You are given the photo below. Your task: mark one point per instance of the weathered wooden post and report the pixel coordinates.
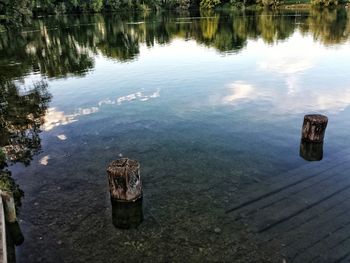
(124, 180)
(314, 128)
(312, 136)
(125, 188)
(14, 234)
(311, 151)
(9, 207)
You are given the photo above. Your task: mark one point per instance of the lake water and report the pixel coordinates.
(208, 102)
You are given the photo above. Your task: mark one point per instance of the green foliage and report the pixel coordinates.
(21, 116)
(209, 3)
(14, 12)
(113, 5)
(325, 3)
(96, 5)
(8, 184)
(20, 120)
(330, 25)
(237, 3)
(269, 2)
(184, 4)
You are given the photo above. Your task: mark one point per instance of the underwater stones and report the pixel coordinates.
(217, 230)
(124, 180)
(314, 128)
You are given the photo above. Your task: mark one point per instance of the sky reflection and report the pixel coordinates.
(294, 76)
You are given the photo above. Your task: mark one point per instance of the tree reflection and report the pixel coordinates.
(118, 41)
(58, 47)
(330, 26)
(48, 51)
(21, 116)
(63, 46)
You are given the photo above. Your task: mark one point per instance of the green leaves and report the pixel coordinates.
(14, 12)
(209, 3)
(8, 184)
(325, 3)
(96, 5)
(21, 118)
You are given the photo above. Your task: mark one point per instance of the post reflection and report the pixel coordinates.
(311, 151)
(127, 215)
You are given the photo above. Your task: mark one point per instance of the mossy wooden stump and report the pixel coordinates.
(314, 128)
(124, 180)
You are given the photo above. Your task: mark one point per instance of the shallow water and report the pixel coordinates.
(209, 103)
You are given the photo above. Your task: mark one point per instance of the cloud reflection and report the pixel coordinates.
(55, 118)
(131, 97)
(283, 102)
(290, 62)
(45, 160)
(286, 65)
(295, 67)
(239, 90)
(62, 137)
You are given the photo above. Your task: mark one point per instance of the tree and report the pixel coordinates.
(96, 5)
(21, 116)
(14, 12)
(113, 5)
(209, 3)
(324, 2)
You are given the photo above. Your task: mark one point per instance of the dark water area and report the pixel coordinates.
(209, 103)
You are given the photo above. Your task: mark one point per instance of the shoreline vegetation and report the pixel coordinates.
(18, 12)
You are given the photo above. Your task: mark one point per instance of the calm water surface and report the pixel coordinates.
(208, 103)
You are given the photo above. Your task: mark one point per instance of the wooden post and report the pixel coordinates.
(127, 215)
(314, 128)
(3, 243)
(124, 180)
(9, 207)
(311, 151)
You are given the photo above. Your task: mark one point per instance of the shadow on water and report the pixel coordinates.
(14, 237)
(127, 215)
